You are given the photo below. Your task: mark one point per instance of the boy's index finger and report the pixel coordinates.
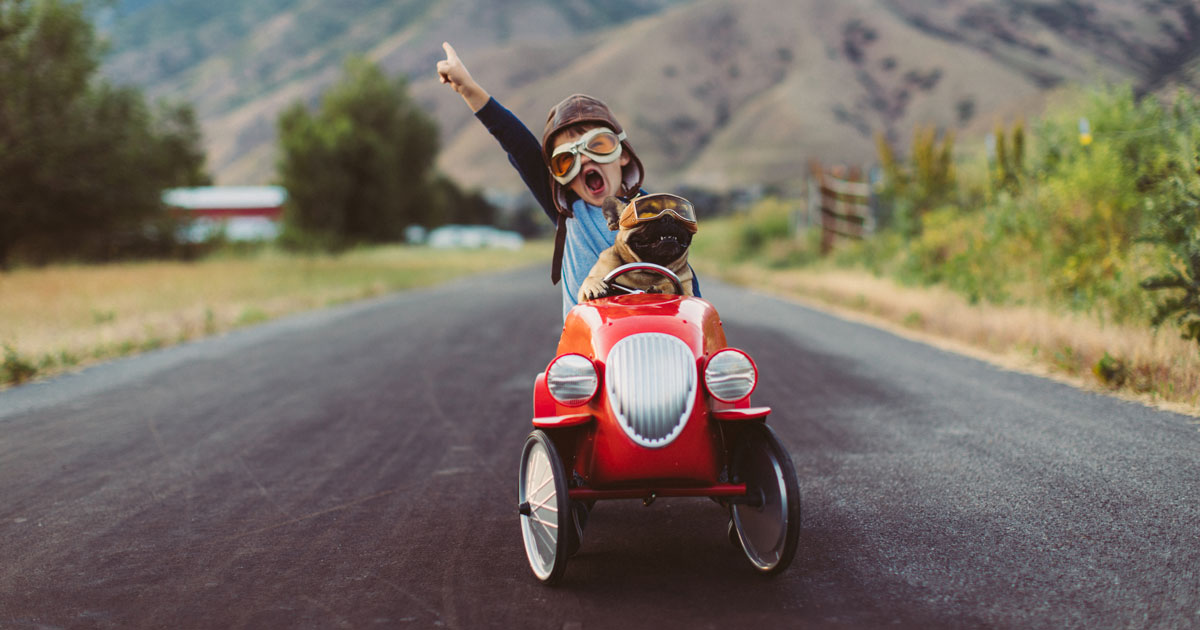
(450, 54)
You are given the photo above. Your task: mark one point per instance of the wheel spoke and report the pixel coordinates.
(533, 474)
(544, 553)
(544, 505)
(541, 485)
(545, 537)
(543, 523)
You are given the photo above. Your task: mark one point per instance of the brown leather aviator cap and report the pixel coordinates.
(581, 108)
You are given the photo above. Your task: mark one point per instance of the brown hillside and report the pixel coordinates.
(719, 93)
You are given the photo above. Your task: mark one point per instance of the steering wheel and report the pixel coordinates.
(643, 266)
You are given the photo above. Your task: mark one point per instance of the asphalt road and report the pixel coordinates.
(357, 468)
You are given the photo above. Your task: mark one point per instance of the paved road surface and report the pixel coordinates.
(356, 468)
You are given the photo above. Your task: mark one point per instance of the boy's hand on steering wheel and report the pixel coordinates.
(452, 70)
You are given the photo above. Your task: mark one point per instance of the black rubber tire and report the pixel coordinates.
(547, 529)
(769, 533)
(575, 538)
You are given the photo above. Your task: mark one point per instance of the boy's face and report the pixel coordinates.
(595, 181)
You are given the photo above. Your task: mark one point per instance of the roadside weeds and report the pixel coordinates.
(1155, 368)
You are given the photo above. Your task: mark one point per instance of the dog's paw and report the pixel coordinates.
(593, 289)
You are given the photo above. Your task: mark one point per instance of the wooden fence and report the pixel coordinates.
(840, 202)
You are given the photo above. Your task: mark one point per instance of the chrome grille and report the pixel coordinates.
(651, 382)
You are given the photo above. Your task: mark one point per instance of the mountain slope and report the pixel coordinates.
(242, 61)
(719, 93)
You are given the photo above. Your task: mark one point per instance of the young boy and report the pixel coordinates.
(588, 158)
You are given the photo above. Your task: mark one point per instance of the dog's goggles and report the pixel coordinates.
(601, 144)
(655, 206)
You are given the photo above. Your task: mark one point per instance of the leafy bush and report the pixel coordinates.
(767, 221)
(949, 252)
(1067, 225)
(1178, 232)
(16, 368)
(1111, 371)
(1083, 226)
(925, 182)
(1009, 162)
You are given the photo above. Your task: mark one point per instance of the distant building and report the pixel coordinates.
(473, 237)
(241, 213)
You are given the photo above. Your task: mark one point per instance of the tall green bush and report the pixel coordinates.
(1009, 167)
(82, 163)
(1078, 224)
(926, 181)
(1177, 231)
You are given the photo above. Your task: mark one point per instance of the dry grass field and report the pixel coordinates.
(57, 318)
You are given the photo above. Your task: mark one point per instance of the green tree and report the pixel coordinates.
(179, 145)
(454, 205)
(82, 163)
(360, 169)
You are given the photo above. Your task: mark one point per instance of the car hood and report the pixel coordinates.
(591, 328)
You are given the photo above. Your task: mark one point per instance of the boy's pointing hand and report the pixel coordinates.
(451, 70)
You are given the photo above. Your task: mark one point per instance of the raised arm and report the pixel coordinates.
(523, 148)
(451, 70)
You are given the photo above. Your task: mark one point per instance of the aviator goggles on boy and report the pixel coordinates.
(601, 144)
(650, 207)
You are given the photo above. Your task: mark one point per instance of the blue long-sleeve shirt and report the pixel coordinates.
(587, 231)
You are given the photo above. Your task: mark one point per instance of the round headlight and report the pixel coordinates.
(572, 379)
(730, 375)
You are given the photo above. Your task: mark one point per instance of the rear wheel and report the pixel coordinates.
(542, 501)
(768, 521)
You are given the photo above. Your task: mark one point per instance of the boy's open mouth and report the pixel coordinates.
(593, 181)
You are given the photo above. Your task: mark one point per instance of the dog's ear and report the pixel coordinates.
(612, 212)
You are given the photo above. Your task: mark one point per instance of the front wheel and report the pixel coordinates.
(768, 521)
(542, 502)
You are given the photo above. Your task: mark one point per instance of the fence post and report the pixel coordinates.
(845, 205)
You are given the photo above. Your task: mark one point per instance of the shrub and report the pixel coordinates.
(1009, 162)
(1111, 371)
(925, 182)
(766, 221)
(1178, 232)
(17, 369)
(1053, 219)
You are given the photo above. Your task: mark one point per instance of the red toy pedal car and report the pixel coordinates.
(645, 400)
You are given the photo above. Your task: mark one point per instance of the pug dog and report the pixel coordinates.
(662, 240)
